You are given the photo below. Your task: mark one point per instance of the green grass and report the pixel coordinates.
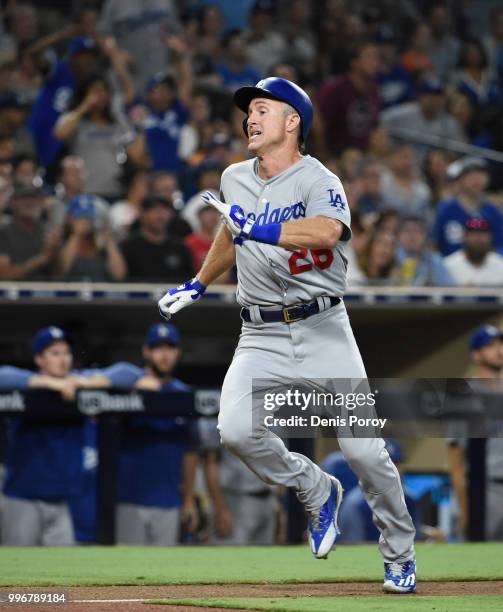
(391, 603)
(208, 565)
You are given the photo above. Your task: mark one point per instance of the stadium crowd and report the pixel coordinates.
(114, 118)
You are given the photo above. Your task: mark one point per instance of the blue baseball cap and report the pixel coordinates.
(162, 333)
(430, 86)
(82, 207)
(158, 79)
(483, 335)
(82, 43)
(45, 337)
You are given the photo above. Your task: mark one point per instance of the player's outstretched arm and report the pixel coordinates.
(220, 258)
(317, 232)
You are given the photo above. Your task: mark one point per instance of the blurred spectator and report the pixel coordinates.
(476, 264)
(402, 188)
(350, 103)
(486, 355)
(377, 262)
(339, 29)
(22, 28)
(13, 115)
(5, 193)
(165, 184)
(443, 49)
(235, 14)
(355, 249)
(158, 143)
(299, 36)
(210, 32)
(63, 78)
(235, 71)
(464, 111)
(266, 46)
(435, 166)
(199, 243)
(370, 199)
(27, 249)
(26, 78)
(25, 170)
(419, 265)
(72, 178)
(493, 41)
(380, 145)
(197, 131)
(427, 116)
(124, 213)
(88, 254)
(395, 83)
(471, 182)
(92, 133)
(415, 59)
(141, 29)
(151, 254)
(473, 77)
(44, 459)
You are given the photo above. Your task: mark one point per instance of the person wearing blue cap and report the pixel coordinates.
(486, 354)
(470, 202)
(152, 453)
(89, 252)
(44, 459)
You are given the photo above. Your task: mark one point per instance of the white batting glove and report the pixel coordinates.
(178, 298)
(232, 215)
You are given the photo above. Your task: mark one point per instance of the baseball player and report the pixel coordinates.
(44, 462)
(286, 222)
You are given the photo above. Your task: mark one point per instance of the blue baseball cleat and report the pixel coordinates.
(323, 530)
(400, 577)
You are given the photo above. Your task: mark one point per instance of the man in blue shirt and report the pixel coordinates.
(153, 450)
(168, 98)
(473, 180)
(44, 458)
(53, 100)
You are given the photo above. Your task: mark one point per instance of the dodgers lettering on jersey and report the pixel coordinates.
(269, 274)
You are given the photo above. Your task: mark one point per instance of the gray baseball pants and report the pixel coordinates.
(147, 525)
(27, 522)
(322, 346)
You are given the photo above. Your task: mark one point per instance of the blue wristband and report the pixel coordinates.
(268, 233)
(199, 287)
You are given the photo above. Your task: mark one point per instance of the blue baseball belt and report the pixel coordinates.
(290, 314)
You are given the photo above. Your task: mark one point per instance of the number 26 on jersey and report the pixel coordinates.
(300, 262)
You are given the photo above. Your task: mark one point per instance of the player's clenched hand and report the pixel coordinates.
(232, 214)
(178, 298)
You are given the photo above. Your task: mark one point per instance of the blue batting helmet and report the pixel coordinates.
(276, 88)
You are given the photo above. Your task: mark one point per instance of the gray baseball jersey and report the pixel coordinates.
(322, 346)
(269, 274)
